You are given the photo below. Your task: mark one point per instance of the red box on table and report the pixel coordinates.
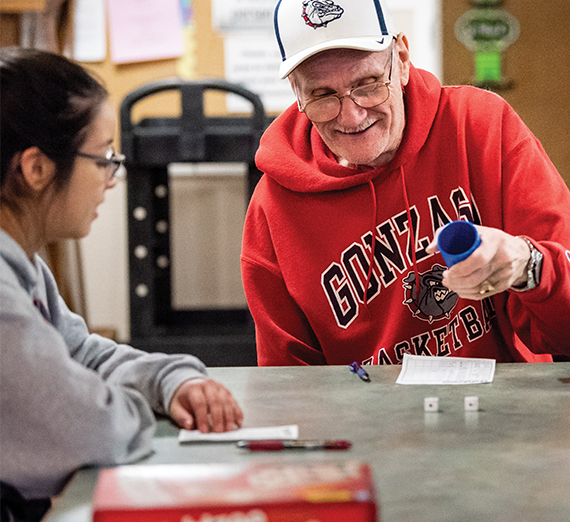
(255, 491)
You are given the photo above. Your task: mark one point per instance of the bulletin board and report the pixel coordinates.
(208, 62)
(121, 79)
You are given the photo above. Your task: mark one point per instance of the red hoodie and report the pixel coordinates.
(313, 227)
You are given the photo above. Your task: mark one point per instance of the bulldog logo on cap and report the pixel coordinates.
(318, 13)
(358, 24)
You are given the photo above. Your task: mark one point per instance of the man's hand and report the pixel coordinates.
(499, 263)
(206, 405)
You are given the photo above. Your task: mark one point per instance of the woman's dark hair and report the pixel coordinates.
(46, 101)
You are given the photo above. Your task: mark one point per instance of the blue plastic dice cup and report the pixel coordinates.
(457, 241)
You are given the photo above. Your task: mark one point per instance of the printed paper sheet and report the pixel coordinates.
(418, 369)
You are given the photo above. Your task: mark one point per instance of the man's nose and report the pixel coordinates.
(350, 112)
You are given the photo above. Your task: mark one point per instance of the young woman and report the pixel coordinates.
(68, 398)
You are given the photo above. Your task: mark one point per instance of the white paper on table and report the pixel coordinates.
(419, 369)
(268, 433)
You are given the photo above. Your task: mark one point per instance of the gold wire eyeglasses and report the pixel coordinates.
(366, 96)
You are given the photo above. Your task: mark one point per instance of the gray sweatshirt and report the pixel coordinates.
(68, 398)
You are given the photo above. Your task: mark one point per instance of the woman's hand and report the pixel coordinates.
(206, 405)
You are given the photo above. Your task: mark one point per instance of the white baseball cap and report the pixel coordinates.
(306, 27)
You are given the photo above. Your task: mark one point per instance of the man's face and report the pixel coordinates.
(357, 136)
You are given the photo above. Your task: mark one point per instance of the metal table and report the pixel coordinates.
(509, 461)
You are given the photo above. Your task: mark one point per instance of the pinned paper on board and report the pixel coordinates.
(229, 16)
(186, 66)
(144, 30)
(253, 61)
(89, 31)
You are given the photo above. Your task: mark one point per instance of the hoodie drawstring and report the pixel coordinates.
(372, 246)
(412, 235)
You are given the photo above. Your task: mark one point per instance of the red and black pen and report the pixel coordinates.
(279, 445)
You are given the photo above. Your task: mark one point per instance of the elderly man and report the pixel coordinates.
(339, 258)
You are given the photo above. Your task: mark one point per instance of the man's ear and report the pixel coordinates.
(402, 49)
(37, 169)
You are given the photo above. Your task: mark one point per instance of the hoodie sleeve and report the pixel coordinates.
(283, 334)
(58, 415)
(60, 412)
(155, 375)
(539, 316)
(520, 191)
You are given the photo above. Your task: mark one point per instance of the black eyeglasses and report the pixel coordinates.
(366, 96)
(111, 162)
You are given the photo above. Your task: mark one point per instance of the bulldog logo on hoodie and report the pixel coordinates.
(429, 300)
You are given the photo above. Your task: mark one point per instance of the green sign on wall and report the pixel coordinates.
(487, 30)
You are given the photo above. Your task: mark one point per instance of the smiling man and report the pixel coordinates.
(364, 125)
(339, 259)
